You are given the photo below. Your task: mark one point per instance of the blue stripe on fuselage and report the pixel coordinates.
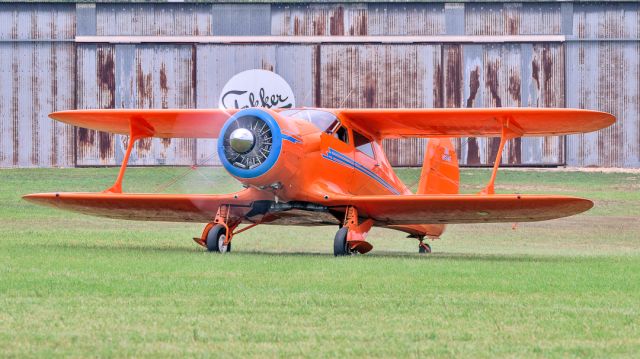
(290, 138)
(342, 159)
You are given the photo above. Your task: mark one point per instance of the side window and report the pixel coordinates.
(363, 144)
(342, 134)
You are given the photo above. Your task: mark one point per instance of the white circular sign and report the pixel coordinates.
(256, 88)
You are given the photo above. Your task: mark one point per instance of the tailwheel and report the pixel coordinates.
(424, 247)
(340, 245)
(216, 238)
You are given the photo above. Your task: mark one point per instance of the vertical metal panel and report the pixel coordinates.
(95, 88)
(402, 76)
(605, 76)
(241, 19)
(319, 19)
(134, 76)
(86, 17)
(164, 79)
(512, 18)
(607, 21)
(454, 18)
(295, 63)
(505, 75)
(406, 19)
(37, 21)
(153, 19)
(543, 83)
(37, 79)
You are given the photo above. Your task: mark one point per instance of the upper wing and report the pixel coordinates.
(163, 123)
(459, 122)
(434, 209)
(149, 207)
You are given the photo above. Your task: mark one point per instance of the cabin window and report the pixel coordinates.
(325, 121)
(342, 134)
(363, 144)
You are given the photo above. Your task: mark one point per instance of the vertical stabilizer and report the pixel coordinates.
(440, 173)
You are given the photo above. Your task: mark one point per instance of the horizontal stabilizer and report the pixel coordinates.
(462, 122)
(173, 123)
(434, 209)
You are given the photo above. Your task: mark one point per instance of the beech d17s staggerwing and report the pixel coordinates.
(327, 167)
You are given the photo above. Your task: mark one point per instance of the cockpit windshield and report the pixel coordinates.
(325, 121)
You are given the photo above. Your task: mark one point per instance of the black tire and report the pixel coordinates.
(340, 246)
(216, 235)
(422, 249)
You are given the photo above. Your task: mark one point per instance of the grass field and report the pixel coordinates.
(73, 285)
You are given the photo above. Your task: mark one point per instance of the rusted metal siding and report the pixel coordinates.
(319, 19)
(404, 76)
(153, 19)
(95, 88)
(37, 77)
(241, 19)
(513, 18)
(406, 19)
(134, 76)
(605, 76)
(596, 68)
(37, 21)
(295, 63)
(505, 75)
(604, 73)
(607, 21)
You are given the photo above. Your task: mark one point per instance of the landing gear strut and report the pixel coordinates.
(217, 235)
(352, 236)
(424, 247)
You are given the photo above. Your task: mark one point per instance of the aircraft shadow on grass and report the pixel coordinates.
(480, 257)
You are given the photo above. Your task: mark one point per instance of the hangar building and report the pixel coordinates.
(57, 55)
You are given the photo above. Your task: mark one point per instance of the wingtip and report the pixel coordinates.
(40, 198)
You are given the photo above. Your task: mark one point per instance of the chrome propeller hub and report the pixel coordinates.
(247, 142)
(242, 140)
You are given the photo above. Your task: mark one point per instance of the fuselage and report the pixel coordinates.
(318, 154)
(307, 156)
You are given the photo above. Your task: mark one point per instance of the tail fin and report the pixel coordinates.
(440, 174)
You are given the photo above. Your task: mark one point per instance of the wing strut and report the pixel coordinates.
(138, 129)
(509, 131)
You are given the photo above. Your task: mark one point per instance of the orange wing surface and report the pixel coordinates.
(460, 122)
(420, 209)
(384, 210)
(162, 123)
(147, 207)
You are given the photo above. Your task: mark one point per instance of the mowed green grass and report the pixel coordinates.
(73, 285)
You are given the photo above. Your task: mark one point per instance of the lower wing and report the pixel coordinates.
(384, 210)
(434, 209)
(200, 208)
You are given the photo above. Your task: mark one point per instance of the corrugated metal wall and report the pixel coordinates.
(37, 76)
(134, 76)
(43, 69)
(605, 75)
(506, 75)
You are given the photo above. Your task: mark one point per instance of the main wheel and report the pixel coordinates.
(340, 245)
(424, 249)
(215, 239)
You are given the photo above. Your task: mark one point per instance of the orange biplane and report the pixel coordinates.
(327, 167)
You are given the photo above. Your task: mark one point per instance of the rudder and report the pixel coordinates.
(440, 173)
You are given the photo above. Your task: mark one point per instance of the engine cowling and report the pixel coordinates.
(253, 149)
